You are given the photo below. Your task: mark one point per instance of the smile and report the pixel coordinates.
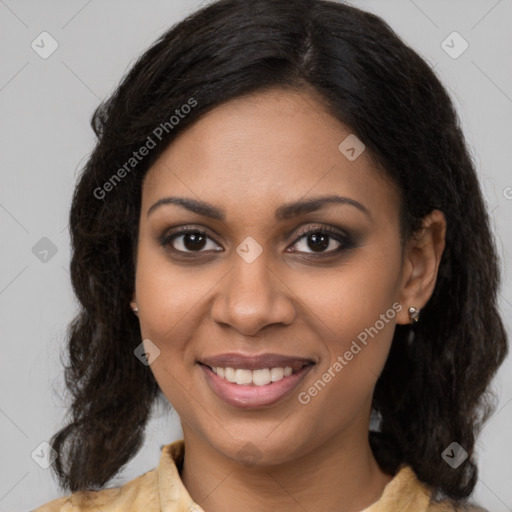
(254, 381)
(260, 377)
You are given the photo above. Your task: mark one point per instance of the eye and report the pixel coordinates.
(188, 240)
(321, 238)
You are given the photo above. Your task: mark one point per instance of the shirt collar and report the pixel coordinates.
(173, 495)
(404, 492)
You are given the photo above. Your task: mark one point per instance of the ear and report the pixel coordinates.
(422, 256)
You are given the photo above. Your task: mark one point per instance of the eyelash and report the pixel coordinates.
(345, 240)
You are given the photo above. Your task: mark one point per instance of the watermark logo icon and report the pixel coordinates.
(44, 250)
(454, 455)
(44, 45)
(44, 455)
(249, 454)
(146, 352)
(351, 147)
(249, 249)
(454, 45)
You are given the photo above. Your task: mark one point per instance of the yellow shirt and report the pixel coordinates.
(162, 490)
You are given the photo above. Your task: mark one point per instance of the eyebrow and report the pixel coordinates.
(284, 212)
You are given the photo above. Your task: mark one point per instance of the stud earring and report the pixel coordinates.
(414, 314)
(133, 304)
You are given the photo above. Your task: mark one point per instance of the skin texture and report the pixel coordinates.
(248, 157)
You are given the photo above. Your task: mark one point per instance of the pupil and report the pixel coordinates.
(320, 241)
(194, 241)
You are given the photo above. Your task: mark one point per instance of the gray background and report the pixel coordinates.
(46, 105)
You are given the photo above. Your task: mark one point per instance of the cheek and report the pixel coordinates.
(356, 312)
(353, 297)
(167, 298)
(168, 295)
(355, 352)
(356, 347)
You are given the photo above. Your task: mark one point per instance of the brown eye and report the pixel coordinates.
(318, 242)
(322, 240)
(193, 241)
(188, 240)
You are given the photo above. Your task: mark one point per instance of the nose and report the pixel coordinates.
(253, 296)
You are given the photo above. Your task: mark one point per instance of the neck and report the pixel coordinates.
(340, 475)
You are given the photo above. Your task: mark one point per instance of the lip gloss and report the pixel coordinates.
(252, 396)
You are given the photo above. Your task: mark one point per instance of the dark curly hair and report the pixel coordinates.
(434, 387)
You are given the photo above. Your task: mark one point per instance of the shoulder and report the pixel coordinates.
(138, 494)
(413, 495)
(450, 507)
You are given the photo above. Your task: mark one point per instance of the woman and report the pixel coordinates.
(281, 232)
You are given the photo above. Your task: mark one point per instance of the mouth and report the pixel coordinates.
(254, 381)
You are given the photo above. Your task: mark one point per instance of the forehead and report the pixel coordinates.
(254, 153)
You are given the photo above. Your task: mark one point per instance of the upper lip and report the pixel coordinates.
(256, 362)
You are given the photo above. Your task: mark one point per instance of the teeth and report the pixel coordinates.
(277, 374)
(262, 377)
(257, 377)
(229, 374)
(243, 376)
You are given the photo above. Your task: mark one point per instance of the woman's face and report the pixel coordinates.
(252, 283)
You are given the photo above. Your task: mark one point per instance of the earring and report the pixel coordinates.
(414, 314)
(133, 304)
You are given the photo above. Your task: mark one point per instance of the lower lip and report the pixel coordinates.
(249, 396)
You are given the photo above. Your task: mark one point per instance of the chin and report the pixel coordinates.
(259, 451)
